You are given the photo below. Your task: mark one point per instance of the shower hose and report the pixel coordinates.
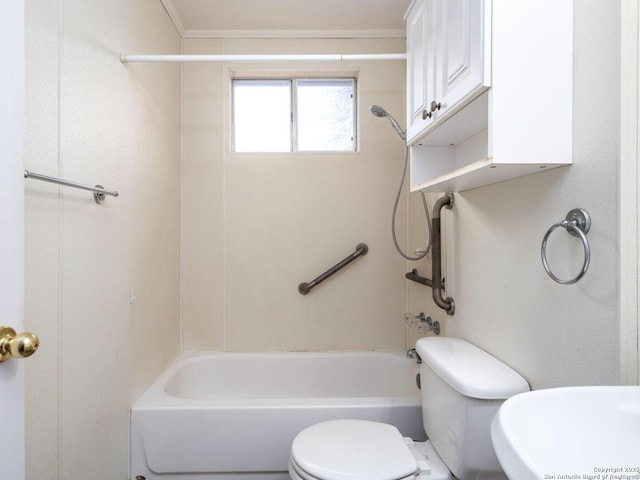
(395, 209)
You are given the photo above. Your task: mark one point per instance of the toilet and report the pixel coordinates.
(462, 388)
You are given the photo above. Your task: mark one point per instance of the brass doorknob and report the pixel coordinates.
(19, 345)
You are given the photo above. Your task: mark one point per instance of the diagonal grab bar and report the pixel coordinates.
(361, 249)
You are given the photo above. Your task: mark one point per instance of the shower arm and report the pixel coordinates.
(447, 304)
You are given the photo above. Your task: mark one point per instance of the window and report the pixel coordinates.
(293, 115)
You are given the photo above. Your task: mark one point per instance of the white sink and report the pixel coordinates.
(570, 432)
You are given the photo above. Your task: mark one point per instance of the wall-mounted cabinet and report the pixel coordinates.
(489, 90)
(446, 60)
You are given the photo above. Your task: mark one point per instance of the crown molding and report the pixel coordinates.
(293, 33)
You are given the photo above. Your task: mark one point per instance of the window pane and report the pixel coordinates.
(325, 115)
(262, 115)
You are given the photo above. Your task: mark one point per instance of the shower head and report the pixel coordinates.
(378, 111)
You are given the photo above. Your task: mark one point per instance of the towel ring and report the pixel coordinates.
(577, 223)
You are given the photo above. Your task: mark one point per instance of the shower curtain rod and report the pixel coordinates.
(126, 58)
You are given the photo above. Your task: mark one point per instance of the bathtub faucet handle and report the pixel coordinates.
(413, 319)
(425, 324)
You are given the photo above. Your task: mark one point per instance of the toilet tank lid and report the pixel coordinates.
(469, 370)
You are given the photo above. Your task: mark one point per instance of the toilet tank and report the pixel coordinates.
(462, 389)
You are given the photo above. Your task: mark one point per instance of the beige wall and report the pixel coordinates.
(256, 225)
(552, 334)
(93, 120)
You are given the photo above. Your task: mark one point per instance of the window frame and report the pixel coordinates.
(293, 109)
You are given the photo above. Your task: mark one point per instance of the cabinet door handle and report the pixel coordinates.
(435, 106)
(426, 114)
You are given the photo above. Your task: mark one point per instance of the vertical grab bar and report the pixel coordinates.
(447, 304)
(361, 249)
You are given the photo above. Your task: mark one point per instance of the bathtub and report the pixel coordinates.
(233, 416)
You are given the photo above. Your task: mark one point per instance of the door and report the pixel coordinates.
(461, 53)
(629, 216)
(420, 66)
(11, 233)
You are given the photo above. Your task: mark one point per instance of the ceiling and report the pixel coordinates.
(305, 18)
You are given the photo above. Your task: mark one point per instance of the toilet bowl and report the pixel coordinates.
(462, 389)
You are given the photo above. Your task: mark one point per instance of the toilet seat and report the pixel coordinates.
(352, 450)
(297, 474)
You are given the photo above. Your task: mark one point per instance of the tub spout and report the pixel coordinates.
(412, 353)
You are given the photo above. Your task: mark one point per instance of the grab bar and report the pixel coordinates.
(415, 277)
(447, 304)
(361, 249)
(436, 282)
(98, 191)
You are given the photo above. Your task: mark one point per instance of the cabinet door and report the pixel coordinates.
(461, 53)
(420, 66)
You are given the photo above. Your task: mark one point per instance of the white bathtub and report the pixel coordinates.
(233, 416)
